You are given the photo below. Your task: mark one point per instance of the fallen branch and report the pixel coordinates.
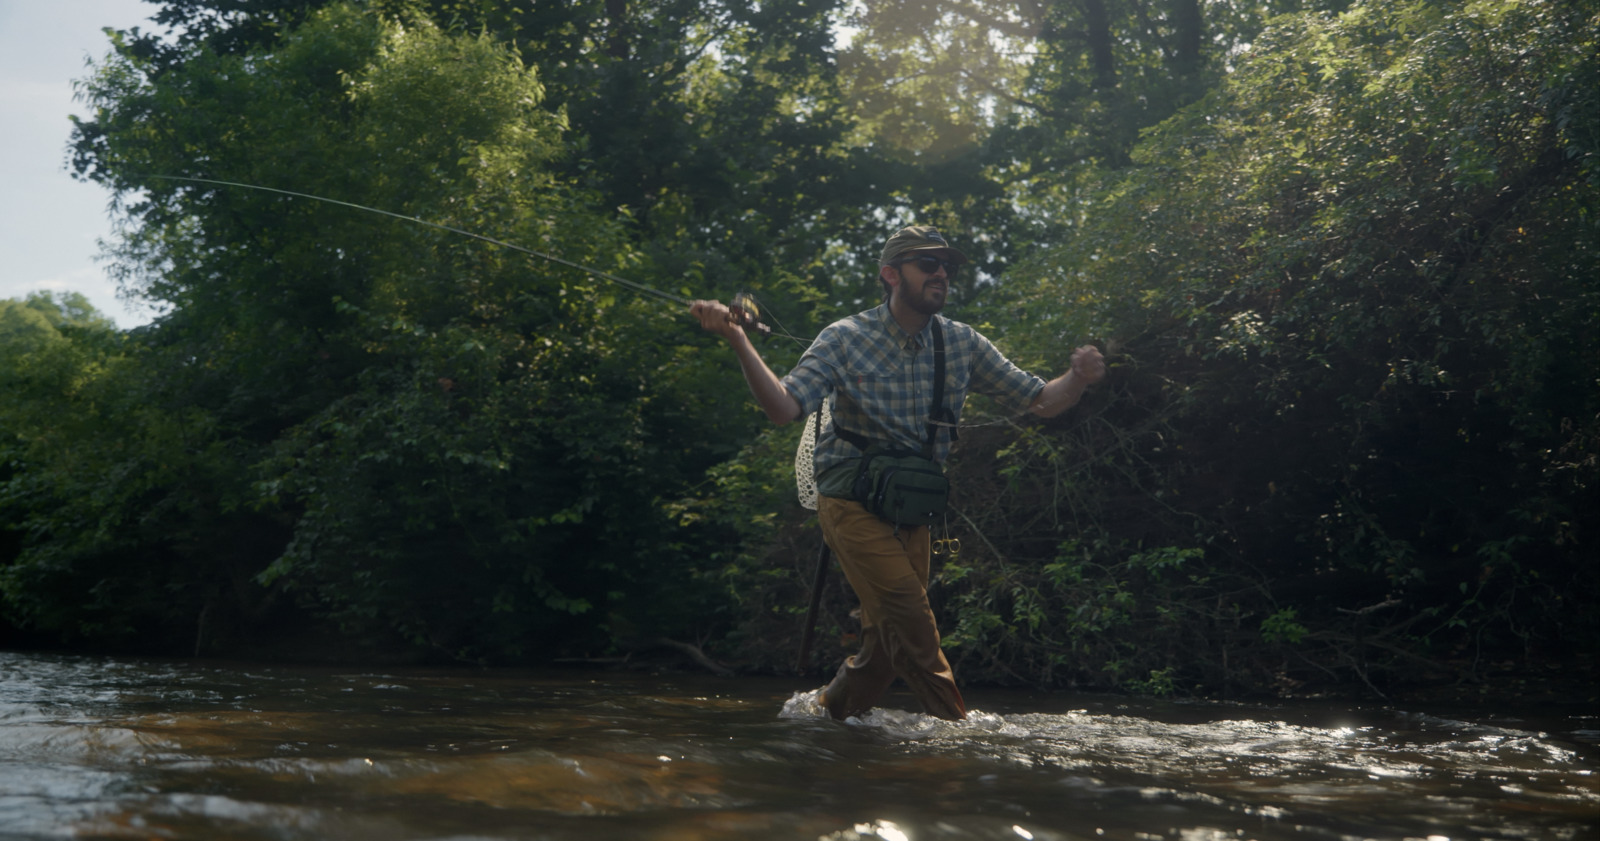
(694, 653)
(1370, 608)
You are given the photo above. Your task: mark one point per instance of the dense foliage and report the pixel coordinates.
(1342, 256)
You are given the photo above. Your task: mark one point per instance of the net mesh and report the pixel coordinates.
(805, 473)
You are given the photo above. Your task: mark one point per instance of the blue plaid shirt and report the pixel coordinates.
(882, 381)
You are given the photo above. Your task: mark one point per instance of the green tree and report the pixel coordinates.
(1350, 435)
(106, 499)
(1353, 295)
(1011, 113)
(463, 446)
(717, 125)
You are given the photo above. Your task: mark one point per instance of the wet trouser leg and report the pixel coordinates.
(888, 569)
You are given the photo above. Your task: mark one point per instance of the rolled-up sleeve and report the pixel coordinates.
(995, 377)
(812, 377)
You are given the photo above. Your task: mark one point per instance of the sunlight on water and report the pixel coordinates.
(105, 748)
(1276, 766)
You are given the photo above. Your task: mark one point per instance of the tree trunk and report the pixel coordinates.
(1097, 24)
(1186, 16)
(617, 36)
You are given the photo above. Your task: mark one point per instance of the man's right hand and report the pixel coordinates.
(715, 317)
(775, 400)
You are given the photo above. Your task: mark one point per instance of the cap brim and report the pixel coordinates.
(959, 257)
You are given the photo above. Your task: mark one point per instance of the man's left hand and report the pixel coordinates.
(1088, 364)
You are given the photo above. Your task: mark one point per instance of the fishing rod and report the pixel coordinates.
(744, 311)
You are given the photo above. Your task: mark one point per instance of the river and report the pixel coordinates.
(122, 748)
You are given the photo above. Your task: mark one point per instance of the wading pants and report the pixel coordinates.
(888, 569)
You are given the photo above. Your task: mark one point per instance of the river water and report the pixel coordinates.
(140, 749)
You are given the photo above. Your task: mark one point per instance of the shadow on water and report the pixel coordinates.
(123, 749)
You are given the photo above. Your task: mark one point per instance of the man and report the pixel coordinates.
(878, 366)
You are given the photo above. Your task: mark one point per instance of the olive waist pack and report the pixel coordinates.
(901, 487)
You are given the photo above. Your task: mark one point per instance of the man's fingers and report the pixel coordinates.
(1089, 363)
(713, 315)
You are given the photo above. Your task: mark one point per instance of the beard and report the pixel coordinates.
(926, 303)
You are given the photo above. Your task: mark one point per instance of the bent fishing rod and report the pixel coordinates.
(744, 311)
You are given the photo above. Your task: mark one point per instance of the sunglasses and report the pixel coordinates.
(928, 264)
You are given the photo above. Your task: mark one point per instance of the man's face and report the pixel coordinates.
(925, 283)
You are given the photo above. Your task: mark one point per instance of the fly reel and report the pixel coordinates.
(745, 312)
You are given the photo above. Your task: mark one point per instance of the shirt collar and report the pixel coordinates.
(898, 336)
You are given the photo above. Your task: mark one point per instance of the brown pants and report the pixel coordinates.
(888, 568)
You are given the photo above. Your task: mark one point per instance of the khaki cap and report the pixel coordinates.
(917, 238)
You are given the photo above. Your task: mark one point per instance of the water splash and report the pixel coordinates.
(900, 724)
(1265, 768)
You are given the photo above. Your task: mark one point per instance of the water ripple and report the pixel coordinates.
(124, 749)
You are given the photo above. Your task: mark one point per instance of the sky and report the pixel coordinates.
(50, 225)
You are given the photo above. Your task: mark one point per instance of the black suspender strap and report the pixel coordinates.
(936, 410)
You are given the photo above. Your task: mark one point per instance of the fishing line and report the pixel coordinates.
(621, 281)
(761, 309)
(749, 316)
(753, 312)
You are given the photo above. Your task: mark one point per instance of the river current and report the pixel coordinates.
(140, 749)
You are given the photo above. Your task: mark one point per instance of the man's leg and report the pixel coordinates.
(888, 569)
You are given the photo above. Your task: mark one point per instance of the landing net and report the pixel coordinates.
(805, 472)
